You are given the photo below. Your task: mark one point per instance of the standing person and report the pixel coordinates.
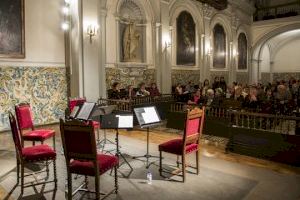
(216, 83)
(205, 87)
(223, 84)
(154, 90)
(116, 93)
(142, 91)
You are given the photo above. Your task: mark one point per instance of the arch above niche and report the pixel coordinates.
(130, 11)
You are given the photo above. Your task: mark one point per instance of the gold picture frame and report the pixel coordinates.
(12, 29)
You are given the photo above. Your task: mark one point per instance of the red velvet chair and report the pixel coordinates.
(189, 143)
(81, 155)
(33, 154)
(78, 101)
(25, 121)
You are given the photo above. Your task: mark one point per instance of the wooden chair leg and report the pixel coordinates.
(116, 180)
(33, 143)
(47, 169)
(183, 168)
(69, 186)
(160, 163)
(22, 179)
(54, 173)
(86, 182)
(18, 172)
(97, 189)
(177, 162)
(197, 161)
(54, 143)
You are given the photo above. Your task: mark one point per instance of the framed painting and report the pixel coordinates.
(12, 34)
(186, 37)
(219, 44)
(242, 50)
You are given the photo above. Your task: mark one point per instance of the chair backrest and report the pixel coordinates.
(75, 102)
(78, 140)
(193, 125)
(16, 134)
(24, 116)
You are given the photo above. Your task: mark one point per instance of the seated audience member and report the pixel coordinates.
(142, 91)
(282, 98)
(154, 90)
(178, 89)
(209, 97)
(115, 94)
(218, 98)
(189, 87)
(238, 94)
(267, 102)
(195, 98)
(205, 87)
(130, 93)
(251, 100)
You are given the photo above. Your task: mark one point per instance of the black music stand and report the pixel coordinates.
(99, 112)
(118, 121)
(147, 117)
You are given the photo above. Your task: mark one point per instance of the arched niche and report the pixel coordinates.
(222, 20)
(242, 52)
(132, 33)
(186, 39)
(219, 47)
(176, 8)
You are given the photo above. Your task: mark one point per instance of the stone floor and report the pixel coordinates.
(222, 176)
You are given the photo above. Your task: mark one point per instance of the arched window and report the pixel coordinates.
(185, 53)
(242, 51)
(219, 47)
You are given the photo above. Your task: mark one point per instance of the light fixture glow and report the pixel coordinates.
(66, 10)
(65, 26)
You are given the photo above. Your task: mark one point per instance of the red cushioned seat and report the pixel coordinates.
(96, 124)
(25, 121)
(106, 162)
(39, 135)
(175, 147)
(39, 152)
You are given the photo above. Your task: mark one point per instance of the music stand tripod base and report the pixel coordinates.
(147, 156)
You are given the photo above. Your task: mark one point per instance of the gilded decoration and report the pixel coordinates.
(45, 88)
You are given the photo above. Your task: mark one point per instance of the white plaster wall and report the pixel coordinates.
(111, 33)
(90, 52)
(287, 58)
(265, 59)
(44, 39)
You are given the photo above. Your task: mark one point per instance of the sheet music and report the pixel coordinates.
(150, 115)
(85, 111)
(74, 112)
(125, 121)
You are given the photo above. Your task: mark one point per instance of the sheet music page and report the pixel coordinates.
(85, 111)
(150, 115)
(74, 111)
(125, 121)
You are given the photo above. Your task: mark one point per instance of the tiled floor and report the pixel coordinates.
(222, 176)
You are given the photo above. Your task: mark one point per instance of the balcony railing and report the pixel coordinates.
(279, 11)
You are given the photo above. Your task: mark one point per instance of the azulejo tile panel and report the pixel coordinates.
(129, 76)
(184, 76)
(45, 88)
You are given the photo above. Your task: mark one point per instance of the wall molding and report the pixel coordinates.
(14, 63)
